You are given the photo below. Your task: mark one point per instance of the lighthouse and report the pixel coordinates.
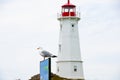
(69, 63)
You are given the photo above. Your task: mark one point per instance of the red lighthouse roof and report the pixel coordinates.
(68, 9)
(68, 4)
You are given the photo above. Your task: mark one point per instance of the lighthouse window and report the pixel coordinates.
(75, 68)
(71, 10)
(59, 47)
(66, 10)
(58, 69)
(72, 25)
(61, 27)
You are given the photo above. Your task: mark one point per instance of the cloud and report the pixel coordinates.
(100, 40)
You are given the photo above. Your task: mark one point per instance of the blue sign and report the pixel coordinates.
(45, 69)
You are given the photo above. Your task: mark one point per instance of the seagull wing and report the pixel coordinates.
(46, 54)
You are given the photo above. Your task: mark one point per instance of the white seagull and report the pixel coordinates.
(45, 53)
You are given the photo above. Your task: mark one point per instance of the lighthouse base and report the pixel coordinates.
(60, 78)
(72, 79)
(71, 70)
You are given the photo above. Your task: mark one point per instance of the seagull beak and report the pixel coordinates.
(38, 48)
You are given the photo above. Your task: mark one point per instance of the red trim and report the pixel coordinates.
(68, 4)
(68, 14)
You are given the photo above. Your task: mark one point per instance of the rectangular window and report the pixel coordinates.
(57, 69)
(75, 68)
(61, 27)
(59, 47)
(72, 25)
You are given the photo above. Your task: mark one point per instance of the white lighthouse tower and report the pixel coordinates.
(69, 64)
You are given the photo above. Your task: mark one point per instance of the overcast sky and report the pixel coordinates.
(28, 24)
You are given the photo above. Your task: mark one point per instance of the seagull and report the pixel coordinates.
(45, 53)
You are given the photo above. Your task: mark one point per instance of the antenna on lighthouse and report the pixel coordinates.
(68, 1)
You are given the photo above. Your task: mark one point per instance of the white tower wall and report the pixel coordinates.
(69, 64)
(69, 40)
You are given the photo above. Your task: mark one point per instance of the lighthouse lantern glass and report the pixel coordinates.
(68, 11)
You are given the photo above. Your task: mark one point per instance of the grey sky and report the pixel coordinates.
(28, 24)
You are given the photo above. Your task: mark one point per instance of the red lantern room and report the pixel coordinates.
(68, 9)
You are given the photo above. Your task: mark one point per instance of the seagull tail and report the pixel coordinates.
(53, 56)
